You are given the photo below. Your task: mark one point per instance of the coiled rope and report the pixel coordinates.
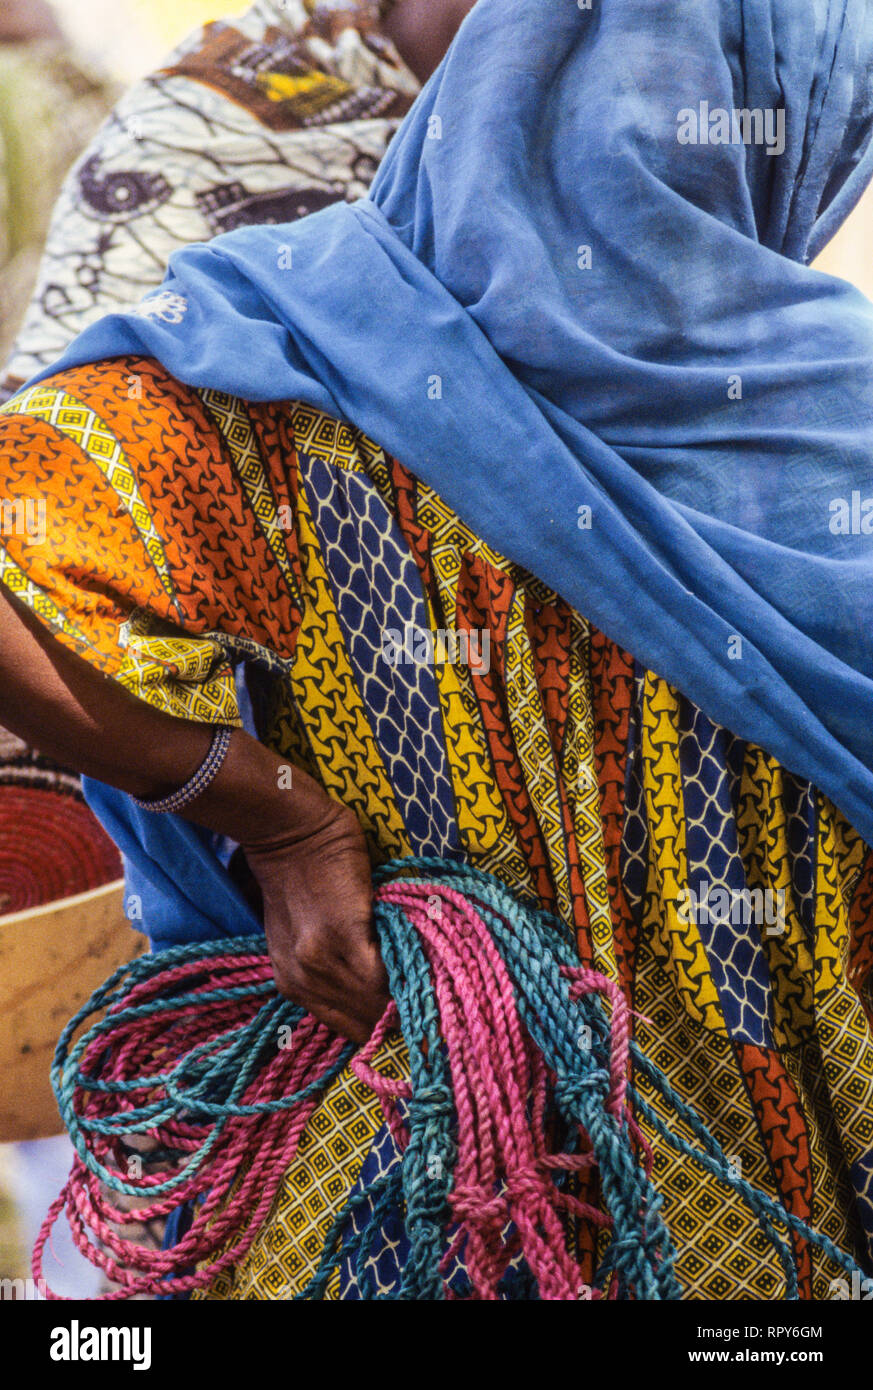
(197, 1080)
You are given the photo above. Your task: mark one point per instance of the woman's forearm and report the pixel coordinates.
(306, 851)
(87, 721)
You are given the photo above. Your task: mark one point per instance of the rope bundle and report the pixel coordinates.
(196, 1084)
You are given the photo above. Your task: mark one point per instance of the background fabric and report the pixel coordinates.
(259, 118)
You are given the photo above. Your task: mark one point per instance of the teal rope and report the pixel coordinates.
(206, 1085)
(222, 1077)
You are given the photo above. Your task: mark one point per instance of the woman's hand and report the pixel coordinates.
(318, 904)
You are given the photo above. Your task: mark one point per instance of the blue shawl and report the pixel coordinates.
(578, 303)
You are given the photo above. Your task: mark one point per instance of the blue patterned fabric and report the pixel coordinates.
(360, 538)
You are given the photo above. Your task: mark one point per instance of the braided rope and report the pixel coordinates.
(196, 1082)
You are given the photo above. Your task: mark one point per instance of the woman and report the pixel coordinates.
(597, 409)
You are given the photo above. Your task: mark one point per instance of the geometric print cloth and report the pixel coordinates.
(188, 531)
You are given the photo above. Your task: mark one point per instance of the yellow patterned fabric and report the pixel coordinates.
(332, 1152)
(461, 709)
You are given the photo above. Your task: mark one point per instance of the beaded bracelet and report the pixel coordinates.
(201, 779)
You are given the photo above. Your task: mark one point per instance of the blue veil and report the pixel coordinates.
(578, 303)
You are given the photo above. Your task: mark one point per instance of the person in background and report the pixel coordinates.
(50, 105)
(261, 118)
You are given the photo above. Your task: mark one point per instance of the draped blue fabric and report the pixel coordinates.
(177, 886)
(582, 280)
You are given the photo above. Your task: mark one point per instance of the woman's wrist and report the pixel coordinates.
(259, 799)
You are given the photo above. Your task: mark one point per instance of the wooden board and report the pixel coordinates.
(51, 959)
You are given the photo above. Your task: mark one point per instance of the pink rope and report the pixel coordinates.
(503, 1173)
(504, 1176)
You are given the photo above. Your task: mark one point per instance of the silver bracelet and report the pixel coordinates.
(201, 779)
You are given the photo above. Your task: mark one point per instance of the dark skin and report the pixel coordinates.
(306, 851)
(22, 20)
(421, 31)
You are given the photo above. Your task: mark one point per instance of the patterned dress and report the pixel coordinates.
(187, 531)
